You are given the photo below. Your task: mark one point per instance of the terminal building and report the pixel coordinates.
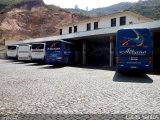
(96, 36)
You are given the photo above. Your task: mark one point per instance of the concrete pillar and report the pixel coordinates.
(84, 53)
(111, 52)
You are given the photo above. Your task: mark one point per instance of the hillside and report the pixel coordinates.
(103, 11)
(23, 19)
(78, 11)
(148, 8)
(111, 9)
(9, 4)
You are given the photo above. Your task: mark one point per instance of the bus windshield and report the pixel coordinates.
(12, 47)
(37, 46)
(56, 45)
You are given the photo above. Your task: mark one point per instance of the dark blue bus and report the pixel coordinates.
(59, 52)
(134, 50)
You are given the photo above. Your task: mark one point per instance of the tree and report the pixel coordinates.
(87, 8)
(76, 7)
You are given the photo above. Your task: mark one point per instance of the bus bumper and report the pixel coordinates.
(52, 61)
(142, 68)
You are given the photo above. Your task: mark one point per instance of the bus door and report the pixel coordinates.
(68, 53)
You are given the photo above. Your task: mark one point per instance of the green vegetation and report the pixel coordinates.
(148, 8)
(54, 8)
(2, 6)
(77, 10)
(7, 4)
(111, 9)
(103, 11)
(12, 2)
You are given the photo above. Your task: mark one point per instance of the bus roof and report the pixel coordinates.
(132, 29)
(61, 41)
(24, 44)
(37, 43)
(13, 45)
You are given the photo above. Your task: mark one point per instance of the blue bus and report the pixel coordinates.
(134, 50)
(59, 52)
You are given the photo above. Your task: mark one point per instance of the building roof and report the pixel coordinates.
(108, 15)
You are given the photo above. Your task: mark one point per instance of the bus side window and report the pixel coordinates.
(66, 46)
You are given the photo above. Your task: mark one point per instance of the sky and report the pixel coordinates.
(83, 4)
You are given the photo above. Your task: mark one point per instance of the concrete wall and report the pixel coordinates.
(2, 52)
(3, 56)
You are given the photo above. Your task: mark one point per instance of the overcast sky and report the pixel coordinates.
(82, 4)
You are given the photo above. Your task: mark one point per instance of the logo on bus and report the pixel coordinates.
(130, 51)
(137, 41)
(53, 49)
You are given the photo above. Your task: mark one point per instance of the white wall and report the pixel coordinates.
(103, 22)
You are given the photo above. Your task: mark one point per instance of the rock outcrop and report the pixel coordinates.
(33, 19)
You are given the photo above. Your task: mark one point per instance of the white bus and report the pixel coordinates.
(24, 52)
(12, 51)
(38, 51)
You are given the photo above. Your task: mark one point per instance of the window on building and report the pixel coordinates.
(95, 25)
(70, 29)
(123, 20)
(113, 22)
(60, 31)
(88, 26)
(75, 28)
(130, 22)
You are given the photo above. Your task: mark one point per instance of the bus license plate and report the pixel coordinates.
(134, 58)
(133, 67)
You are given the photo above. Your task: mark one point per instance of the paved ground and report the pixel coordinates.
(29, 88)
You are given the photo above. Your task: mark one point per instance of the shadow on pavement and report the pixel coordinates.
(63, 117)
(155, 72)
(132, 77)
(98, 67)
(34, 64)
(95, 67)
(51, 67)
(21, 62)
(10, 60)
